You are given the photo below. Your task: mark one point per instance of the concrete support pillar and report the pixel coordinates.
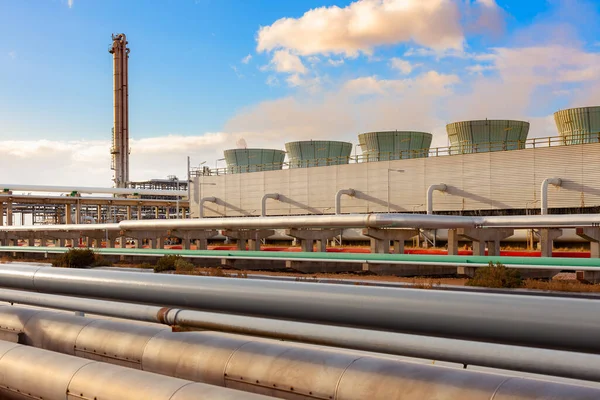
(452, 242)
(68, 216)
(160, 242)
(308, 237)
(128, 213)
(381, 238)
(156, 212)
(1, 214)
(200, 238)
(99, 219)
(482, 237)
(547, 236)
(593, 235)
(78, 212)
(9, 213)
(250, 236)
(183, 212)
(168, 212)
(139, 212)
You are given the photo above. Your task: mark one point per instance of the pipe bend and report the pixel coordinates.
(442, 187)
(274, 196)
(544, 193)
(203, 200)
(338, 198)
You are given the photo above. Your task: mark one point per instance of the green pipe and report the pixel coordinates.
(285, 255)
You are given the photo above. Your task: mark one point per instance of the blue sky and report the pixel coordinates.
(418, 66)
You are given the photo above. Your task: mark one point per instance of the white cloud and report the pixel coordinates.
(479, 68)
(12, 54)
(335, 63)
(272, 81)
(284, 61)
(405, 67)
(70, 3)
(428, 83)
(237, 71)
(366, 24)
(62, 162)
(247, 59)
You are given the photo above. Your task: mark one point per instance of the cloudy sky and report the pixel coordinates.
(205, 73)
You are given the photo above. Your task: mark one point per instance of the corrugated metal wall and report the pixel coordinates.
(483, 181)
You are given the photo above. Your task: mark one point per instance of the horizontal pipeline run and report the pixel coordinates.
(31, 373)
(379, 221)
(509, 319)
(90, 190)
(545, 263)
(516, 358)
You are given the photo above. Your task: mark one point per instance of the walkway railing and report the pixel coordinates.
(465, 147)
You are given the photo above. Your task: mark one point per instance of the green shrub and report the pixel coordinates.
(146, 266)
(166, 263)
(496, 276)
(75, 258)
(182, 265)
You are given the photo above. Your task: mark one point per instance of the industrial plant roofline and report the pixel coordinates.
(89, 190)
(456, 149)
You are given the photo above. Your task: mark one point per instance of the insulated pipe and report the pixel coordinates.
(353, 221)
(531, 360)
(338, 199)
(27, 372)
(263, 209)
(508, 319)
(544, 192)
(441, 187)
(286, 370)
(203, 200)
(85, 189)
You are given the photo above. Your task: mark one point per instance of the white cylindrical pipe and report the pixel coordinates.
(203, 200)
(544, 192)
(263, 209)
(441, 187)
(338, 199)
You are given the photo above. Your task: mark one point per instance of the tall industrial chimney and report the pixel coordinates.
(120, 137)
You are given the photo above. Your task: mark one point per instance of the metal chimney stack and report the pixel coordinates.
(120, 137)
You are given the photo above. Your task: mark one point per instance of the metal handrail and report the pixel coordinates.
(458, 148)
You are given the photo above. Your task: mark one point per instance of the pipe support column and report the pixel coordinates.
(308, 237)
(380, 239)
(547, 236)
(480, 237)
(250, 236)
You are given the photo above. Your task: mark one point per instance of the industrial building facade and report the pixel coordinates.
(497, 181)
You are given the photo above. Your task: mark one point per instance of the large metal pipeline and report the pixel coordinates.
(380, 221)
(30, 373)
(284, 370)
(508, 319)
(515, 358)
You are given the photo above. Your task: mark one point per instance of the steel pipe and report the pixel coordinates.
(544, 192)
(86, 189)
(338, 199)
(263, 207)
(28, 372)
(508, 319)
(515, 358)
(203, 200)
(440, 187)
(380, 221)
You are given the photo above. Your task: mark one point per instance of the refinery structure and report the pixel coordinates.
(212, 328)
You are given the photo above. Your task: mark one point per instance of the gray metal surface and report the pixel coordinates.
(491, 181)
(289, 371)
(164, 351)
(28, 372)
(510, 319)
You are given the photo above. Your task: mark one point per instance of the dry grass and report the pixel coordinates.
(427, 283)
(561, 286)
